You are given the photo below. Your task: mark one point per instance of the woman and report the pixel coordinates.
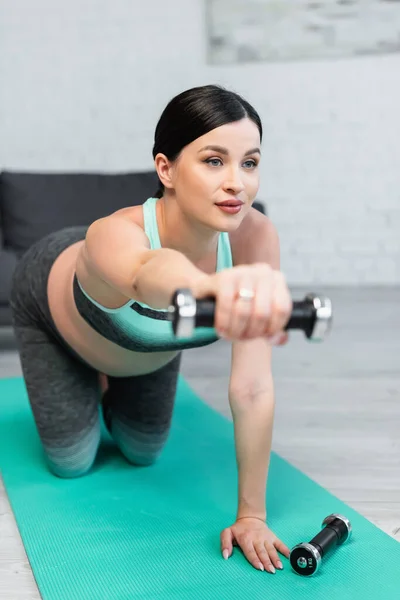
(91, 301)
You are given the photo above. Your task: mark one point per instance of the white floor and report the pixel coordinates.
(337, 416)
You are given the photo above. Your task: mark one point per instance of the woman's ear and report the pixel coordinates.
(164, 170)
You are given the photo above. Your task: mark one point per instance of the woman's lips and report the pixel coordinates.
(230, 207)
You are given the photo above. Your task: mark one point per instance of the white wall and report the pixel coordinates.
(83, 83)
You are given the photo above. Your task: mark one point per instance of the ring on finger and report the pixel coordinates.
(246, 294)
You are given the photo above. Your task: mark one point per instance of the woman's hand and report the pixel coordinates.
(257, 542)
(251, 301)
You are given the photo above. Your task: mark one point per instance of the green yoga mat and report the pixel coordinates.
(150, 533)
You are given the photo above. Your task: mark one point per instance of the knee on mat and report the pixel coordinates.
(139, 448)
(140, 459)
(71, 464)
(65, 471)
(73, 456)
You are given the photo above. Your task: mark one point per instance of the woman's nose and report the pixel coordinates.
(233, 182)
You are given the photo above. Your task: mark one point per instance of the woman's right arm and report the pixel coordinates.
(118, 251)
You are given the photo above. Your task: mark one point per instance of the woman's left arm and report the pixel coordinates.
(251, 388)
(252, 401)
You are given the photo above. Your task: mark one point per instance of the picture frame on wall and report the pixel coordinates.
(243, 31)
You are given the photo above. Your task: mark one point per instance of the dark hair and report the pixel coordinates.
(194, 113)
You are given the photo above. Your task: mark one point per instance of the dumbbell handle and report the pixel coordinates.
(327, 537)
(313, 315)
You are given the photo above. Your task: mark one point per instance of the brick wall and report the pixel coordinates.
(83, 84)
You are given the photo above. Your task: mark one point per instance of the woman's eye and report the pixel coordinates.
(250, 164)
(214, 162)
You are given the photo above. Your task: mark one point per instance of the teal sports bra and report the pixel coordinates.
(135, 325)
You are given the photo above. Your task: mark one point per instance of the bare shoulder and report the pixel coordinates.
(110, 234)
(131, 213)
(256, 240)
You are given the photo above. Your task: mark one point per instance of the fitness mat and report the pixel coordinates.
(124, 532)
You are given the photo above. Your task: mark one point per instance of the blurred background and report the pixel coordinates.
(82, 85)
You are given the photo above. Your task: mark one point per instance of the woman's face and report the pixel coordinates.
(220, 166)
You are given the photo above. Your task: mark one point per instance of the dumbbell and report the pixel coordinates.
(313, 315)
(305, 558)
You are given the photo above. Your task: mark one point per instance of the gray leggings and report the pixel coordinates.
(64, 391)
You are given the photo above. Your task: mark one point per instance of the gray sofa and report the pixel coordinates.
(34, 204)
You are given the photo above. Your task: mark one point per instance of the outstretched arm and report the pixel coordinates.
(117, 251)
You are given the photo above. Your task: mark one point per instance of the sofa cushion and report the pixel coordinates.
(1, 228)
(5, 322)
(8, 261)
(35, 204)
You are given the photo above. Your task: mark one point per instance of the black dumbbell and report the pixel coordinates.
(313, 315)
(305, 558)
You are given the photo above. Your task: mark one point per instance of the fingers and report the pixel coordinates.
(282, 548)
(242, 308)
(261, 553)
(265, 554)
(273, 556)
(232, 313)
(226, 542)
(268, 312)
(252, 554)
(258, 544)
(283, 339)
(263, 315)
(281, 305)
(261, 306)
(224, 302)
